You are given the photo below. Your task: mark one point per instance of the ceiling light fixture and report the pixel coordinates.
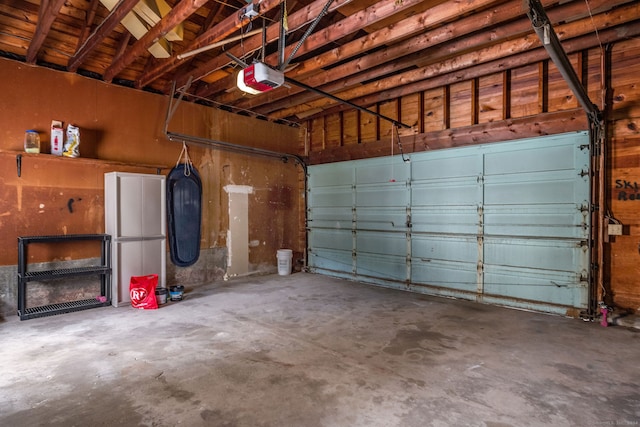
(259, 77)
(243, 87)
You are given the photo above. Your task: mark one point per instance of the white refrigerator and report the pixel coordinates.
(135, 217)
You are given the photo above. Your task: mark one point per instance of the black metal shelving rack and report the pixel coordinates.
(24, 276)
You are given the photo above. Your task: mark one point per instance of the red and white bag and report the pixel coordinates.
(142, 290)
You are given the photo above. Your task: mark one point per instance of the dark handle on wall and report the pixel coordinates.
(19, 164)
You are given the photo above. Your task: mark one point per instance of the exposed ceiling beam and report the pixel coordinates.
(436, 33)
(420, 51)
(504, 49)
(412, 25)
(105, 29)
(86, 30)
(46, 15)
(295, 20)
(218, 32)
(178, 14)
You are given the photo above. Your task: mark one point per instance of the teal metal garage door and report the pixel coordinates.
(505, 223)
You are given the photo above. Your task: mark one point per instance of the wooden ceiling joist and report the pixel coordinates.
(46, 15)
(574, 29)
(88, 23)
(395, 58)
(253, 43)
(104, 29)
(404, 29)
(178, 14)
(223, 29)
(435, 34)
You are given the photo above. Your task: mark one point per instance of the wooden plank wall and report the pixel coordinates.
(526, 101)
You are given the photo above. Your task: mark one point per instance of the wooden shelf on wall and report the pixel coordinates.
(84, 161)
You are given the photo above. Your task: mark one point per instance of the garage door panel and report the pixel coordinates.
(383, 219)
(386, 267)
(504, 223)
(382, 171)
(535, 254)
(447, 164)
(457, 193)
(461, 220)
(331, 217)
(381, 243)
(547, 220)
(389, 194)
(530, 193)
(330, 175)
(331, 239)
(545, 287)
(448, 275)
(531, 159)
(332, 197)
(425, 248)
(331, 261)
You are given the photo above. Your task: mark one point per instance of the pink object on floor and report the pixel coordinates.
(603, 322)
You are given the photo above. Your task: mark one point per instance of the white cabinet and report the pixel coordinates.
(135, 217)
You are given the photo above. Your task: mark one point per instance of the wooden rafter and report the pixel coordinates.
(251, 44)
(104, 30)
(350, 88)
(406, 27)
(346, 26)
(178, 14)
(218, 32)
(487, 68)
(431, 46)
(88, 23)
(46, 15)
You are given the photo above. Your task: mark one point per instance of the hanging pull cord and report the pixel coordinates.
(188, 165)
(395, 128)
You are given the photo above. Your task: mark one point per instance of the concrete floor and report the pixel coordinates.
(307, 350)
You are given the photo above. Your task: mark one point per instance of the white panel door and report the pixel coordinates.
(129, 206)
(153, 207)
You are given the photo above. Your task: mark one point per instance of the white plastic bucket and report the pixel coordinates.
(285, 256)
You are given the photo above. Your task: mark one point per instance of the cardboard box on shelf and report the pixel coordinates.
(57, 138)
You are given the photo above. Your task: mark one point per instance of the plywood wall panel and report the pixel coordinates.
(317, 134)
(625, 102)
(434, 105)
(388, 109)
(624, 59)
(490, 98)
(368, 127)
(524, 91)
(122, 130)
(623, 272)
(350, 127)
(333, 126)
(461, 104)
(410, 109)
